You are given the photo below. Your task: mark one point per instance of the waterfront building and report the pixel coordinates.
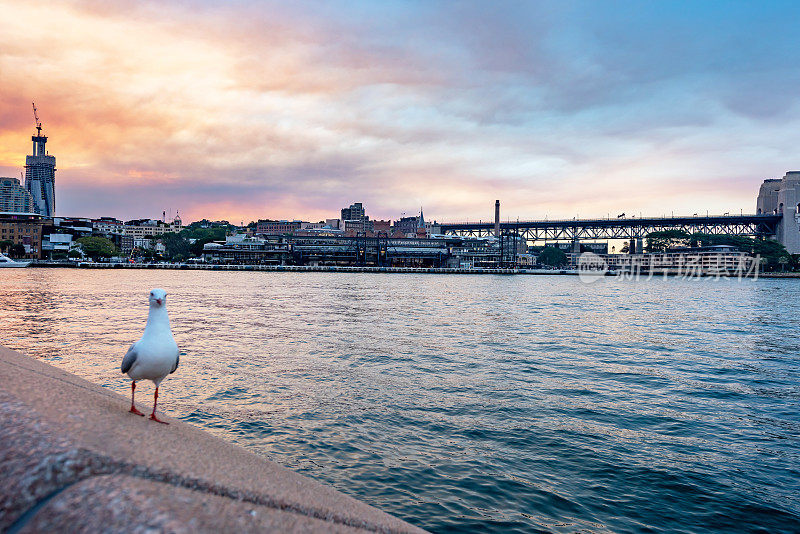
(782, 197)
(355, 220)
(357, 226)
(14, 197)
(475, 252)
(114, 229)
(55, 245)
(270, 227)
(327, 250)
(691, 261)
(144, 243)
(142, 228)
(108, 226)
(78, 226)
(312, 226)
(40, 176)
(23, 229)
(406, 226)
(60, 235)
(324, 231)
(382, 226)
(245, 249)
(320, 228)
(526, 260)
(123, 242)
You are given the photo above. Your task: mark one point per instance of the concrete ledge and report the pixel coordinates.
(71, 455)
(123, 504)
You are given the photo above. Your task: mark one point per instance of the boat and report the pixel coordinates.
(5, 261)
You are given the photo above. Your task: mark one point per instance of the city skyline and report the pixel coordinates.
(576, 109)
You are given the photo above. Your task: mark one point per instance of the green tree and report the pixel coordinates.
(213, 234)
(176, 246)
(17, 250)
(197, 246)
(665, 239)
(201, 237)
(5, 245)
(144, 253)
(97, 247)
(209, 225)
(552, 256)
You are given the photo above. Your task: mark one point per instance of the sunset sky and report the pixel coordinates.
(247, 110)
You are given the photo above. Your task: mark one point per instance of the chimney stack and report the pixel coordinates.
(497, 218)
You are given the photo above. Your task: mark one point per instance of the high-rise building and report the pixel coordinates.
(13, 197)
(357, 217)
(40, 175)
(354, 212)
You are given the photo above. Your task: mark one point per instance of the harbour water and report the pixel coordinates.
(468, 403)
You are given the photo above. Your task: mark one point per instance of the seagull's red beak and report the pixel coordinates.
(159, 301)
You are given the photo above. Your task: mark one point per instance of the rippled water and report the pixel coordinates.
(468, 403)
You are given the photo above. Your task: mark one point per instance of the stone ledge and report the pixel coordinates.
(61, 437)
(121, 503)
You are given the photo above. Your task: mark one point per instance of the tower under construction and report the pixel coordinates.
(40, 173)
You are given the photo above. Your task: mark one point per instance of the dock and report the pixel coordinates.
(315, 268)
(72, 458)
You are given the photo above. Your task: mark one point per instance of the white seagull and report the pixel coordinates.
(156, 354)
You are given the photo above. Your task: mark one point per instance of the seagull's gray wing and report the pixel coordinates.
(129, 359)
(177, 361)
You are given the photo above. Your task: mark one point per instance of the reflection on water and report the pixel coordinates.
(468, 403)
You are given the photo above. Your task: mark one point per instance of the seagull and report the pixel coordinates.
(156, 354)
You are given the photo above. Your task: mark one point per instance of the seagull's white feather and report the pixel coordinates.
(156, 354)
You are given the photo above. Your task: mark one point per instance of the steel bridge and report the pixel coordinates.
(621, 228)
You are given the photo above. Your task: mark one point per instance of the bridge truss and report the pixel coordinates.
(606, 229)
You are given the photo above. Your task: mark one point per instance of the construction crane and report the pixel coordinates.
(38, 122)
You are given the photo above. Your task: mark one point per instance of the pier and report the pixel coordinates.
(354, 269)
(75, 459)
(311, 268)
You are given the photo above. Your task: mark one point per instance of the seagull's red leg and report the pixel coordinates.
(133, 407)
(153, 415)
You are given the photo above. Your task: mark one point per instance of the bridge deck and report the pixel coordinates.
(623, 228)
